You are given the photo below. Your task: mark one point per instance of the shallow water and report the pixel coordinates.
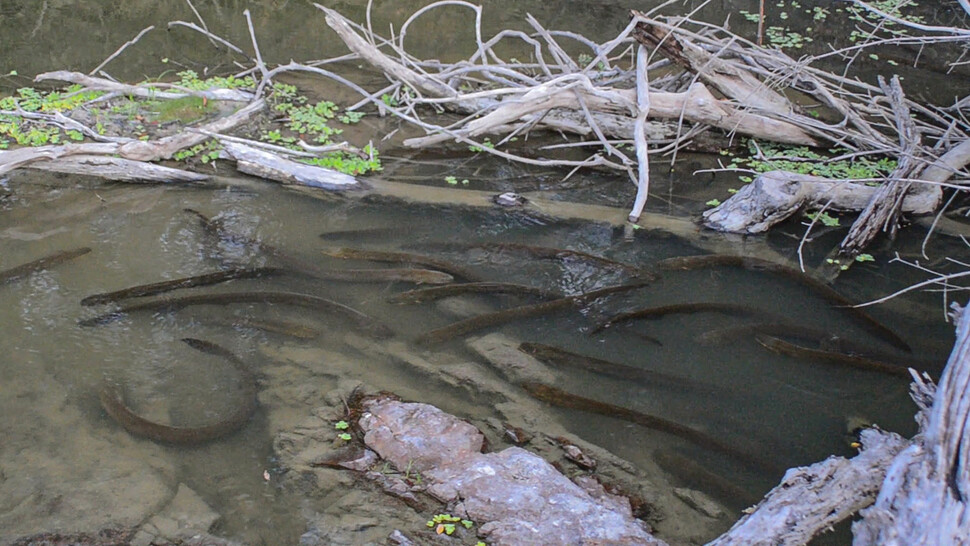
(57, 441)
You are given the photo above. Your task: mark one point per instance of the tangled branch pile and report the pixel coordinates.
(710, 87)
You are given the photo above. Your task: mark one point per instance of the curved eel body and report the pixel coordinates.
(207, 279)
(402, 258)
(359, 319)
(113, 403)
(687, 263)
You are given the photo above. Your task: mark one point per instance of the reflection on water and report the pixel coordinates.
(58, 442)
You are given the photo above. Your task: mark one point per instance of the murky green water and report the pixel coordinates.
(57, 442)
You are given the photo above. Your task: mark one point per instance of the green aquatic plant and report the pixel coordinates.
(16, 126)
(448, 524)
(306, 120)
(824, 218)
(206, 152)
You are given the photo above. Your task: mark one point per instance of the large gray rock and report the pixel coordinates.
(524, 500)
(417, 437)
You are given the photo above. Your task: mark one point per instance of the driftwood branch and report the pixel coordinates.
(882, 211)
(775, 196)
(811, 499)
(923, 485)
(925, 498)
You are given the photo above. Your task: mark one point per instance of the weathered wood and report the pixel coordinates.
(925, 498)
(811, 499)
(117, 169)
(882, 212)
(774, 196)
(733, 81)
(263, 164)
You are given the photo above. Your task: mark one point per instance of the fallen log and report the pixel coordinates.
(775, 196)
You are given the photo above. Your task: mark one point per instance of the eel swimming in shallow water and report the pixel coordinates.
(871, 325)
(418, 276)
(652, 313)
(791, 349)
(421, 295)
(402, 258)
(547, 253)
(474, 324)
(206, 279)
(563, 399)
(360, 320)
(113, 403)
(15, 273)
(556, 356)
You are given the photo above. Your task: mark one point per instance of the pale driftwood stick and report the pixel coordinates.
(639, 134)
(774, 196)
(260, 65)
(371, 54)
(208, 35)
(811, 499)
(925, 498)
(143, 91)
(120, 49)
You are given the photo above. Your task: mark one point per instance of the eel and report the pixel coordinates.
(680, 308)
(696, 476)
(556, 356)
(206, 279)
(418, 276)
(282, 327)
(20, 271)
(783, 329)
(871, 325)
(548, 253)
(480, 322)
(437, 292)
(360, 320)
(402, 258)
(827, 341)
(563, 399)
(781, 346)
(114, 405)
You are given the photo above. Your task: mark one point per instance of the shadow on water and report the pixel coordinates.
(58, 442)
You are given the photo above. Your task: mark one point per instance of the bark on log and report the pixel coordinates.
(926, 495)
(811, 499)
(776, 195)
